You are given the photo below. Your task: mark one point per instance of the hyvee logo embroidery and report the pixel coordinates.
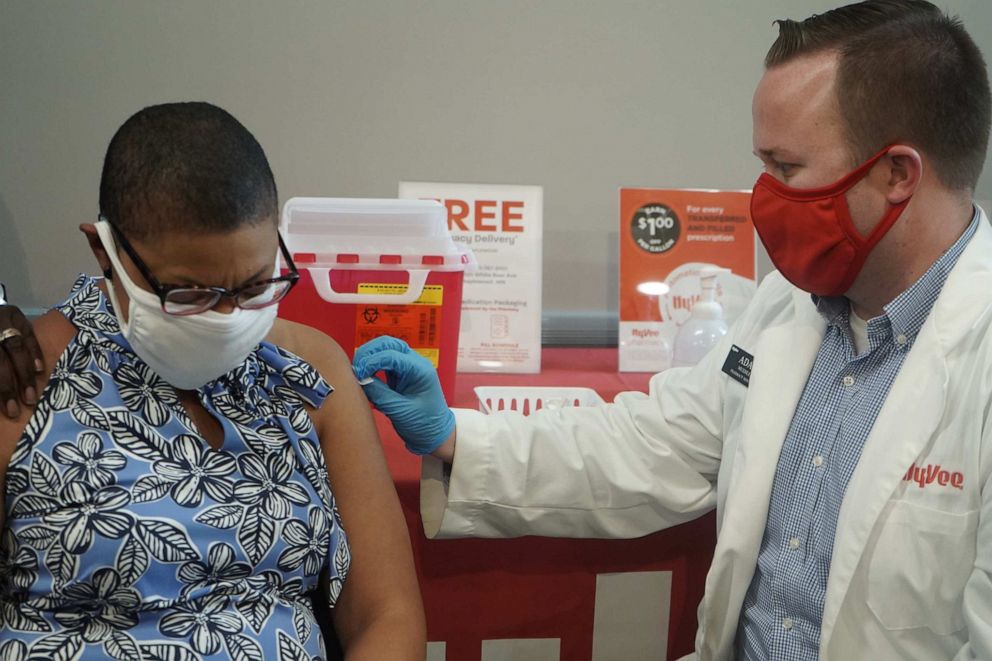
(926, 475)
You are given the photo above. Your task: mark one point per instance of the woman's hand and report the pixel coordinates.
(20, 361)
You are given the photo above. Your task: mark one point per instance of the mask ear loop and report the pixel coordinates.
(108, 274)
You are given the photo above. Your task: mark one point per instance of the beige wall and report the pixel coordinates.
(348, 98)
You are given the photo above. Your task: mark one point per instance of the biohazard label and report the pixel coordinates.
(418, 323)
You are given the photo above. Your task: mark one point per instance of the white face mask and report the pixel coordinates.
(189, 351)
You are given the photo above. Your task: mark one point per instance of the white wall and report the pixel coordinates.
(348, 98)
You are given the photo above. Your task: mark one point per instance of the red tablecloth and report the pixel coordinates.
(535, 587)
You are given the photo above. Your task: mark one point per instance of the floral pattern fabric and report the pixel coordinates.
(127, 537)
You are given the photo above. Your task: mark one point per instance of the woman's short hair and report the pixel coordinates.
(188, 167)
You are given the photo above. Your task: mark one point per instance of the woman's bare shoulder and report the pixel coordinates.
(53, 332)
(313, 346)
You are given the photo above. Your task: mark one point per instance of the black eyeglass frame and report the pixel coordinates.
(162, 290)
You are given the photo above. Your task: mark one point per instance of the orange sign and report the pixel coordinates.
(667, 236)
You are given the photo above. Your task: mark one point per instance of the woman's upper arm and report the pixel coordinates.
(382, 580)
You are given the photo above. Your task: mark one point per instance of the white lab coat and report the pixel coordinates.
(905, 581)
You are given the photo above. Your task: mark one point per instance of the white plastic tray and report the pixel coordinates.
(526, 400)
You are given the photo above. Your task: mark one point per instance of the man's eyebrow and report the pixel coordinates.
(775, 154)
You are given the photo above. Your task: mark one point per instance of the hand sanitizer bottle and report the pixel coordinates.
(705, 326)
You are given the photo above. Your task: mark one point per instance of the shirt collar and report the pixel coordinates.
(907, 311)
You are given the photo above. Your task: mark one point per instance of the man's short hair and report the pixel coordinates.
(907, 73)
(188, 167)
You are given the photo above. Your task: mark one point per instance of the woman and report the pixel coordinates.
(195, 467)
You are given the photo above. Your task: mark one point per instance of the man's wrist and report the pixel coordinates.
(446, 451)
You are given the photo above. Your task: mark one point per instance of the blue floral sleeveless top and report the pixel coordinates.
(128, 537)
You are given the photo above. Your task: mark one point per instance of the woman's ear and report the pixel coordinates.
(96, 245)
(904, 174)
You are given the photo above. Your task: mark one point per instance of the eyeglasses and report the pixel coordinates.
(185, 300)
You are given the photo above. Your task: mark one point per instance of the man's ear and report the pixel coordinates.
(905, 172)
(89, 231)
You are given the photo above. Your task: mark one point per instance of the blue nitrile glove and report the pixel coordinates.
(413, 400)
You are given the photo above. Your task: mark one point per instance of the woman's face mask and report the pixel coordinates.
(186, 351)
(809, 234)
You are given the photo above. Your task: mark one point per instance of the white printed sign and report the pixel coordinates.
(501, 301)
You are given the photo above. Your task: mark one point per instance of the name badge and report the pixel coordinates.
(738, 365)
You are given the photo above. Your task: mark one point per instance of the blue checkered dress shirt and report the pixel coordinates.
(783, 607)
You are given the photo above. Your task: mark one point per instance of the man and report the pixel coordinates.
(849, 470)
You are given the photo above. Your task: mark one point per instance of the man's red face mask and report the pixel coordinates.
(809, 235)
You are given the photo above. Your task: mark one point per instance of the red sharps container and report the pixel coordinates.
(373, 267)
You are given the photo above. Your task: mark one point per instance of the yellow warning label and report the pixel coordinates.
(430, 354)
(418, 323)
(432, 294)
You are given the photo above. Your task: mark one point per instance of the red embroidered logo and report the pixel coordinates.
(924, 475)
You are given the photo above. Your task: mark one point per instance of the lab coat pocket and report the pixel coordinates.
(920, 564)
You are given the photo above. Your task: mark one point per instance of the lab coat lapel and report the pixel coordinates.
(907, 421)
(784, 356)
